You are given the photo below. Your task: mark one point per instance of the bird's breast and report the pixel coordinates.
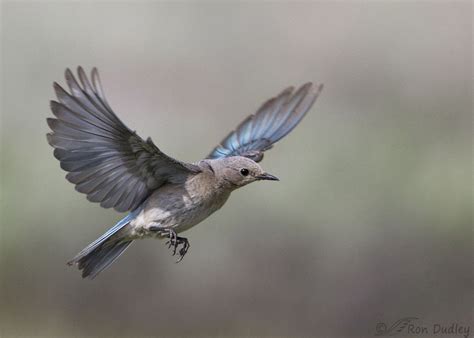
(179, 207)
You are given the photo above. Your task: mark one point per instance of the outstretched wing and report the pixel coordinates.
(274, 120)
(105, 159)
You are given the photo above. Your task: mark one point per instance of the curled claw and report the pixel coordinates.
(170, 243)
(175, 246)
(174, 241)
(184, 249)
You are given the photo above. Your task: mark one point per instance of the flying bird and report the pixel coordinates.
(163, 196)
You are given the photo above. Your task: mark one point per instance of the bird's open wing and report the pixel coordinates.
(105, 159)
(274, 120)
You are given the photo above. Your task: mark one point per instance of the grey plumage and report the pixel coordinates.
(115, 167)
(104, 158)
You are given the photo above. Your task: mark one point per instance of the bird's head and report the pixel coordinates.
(238, 171)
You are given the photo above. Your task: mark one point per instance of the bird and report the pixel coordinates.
(163, 196)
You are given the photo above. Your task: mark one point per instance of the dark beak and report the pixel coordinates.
(267, 176)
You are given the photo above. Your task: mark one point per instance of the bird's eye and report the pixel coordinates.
(244, 172)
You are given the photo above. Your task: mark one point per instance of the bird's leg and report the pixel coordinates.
(166, 232)
(173, 240)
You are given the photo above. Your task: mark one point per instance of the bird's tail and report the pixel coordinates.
(98, 255)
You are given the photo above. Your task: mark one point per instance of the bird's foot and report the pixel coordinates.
(184, 249)
(165, 232)
(174, 241)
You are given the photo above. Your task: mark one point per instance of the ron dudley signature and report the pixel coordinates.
(412, 326)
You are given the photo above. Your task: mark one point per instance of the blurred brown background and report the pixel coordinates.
(372, 219)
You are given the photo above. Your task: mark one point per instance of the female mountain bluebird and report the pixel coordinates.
(114, 166)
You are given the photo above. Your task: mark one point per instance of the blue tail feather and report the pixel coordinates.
(99, 259)
(98, 255)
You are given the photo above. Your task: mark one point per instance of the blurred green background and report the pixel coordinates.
(372, 219)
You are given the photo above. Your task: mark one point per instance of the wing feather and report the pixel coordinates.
(273, 120)
(106, 160)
